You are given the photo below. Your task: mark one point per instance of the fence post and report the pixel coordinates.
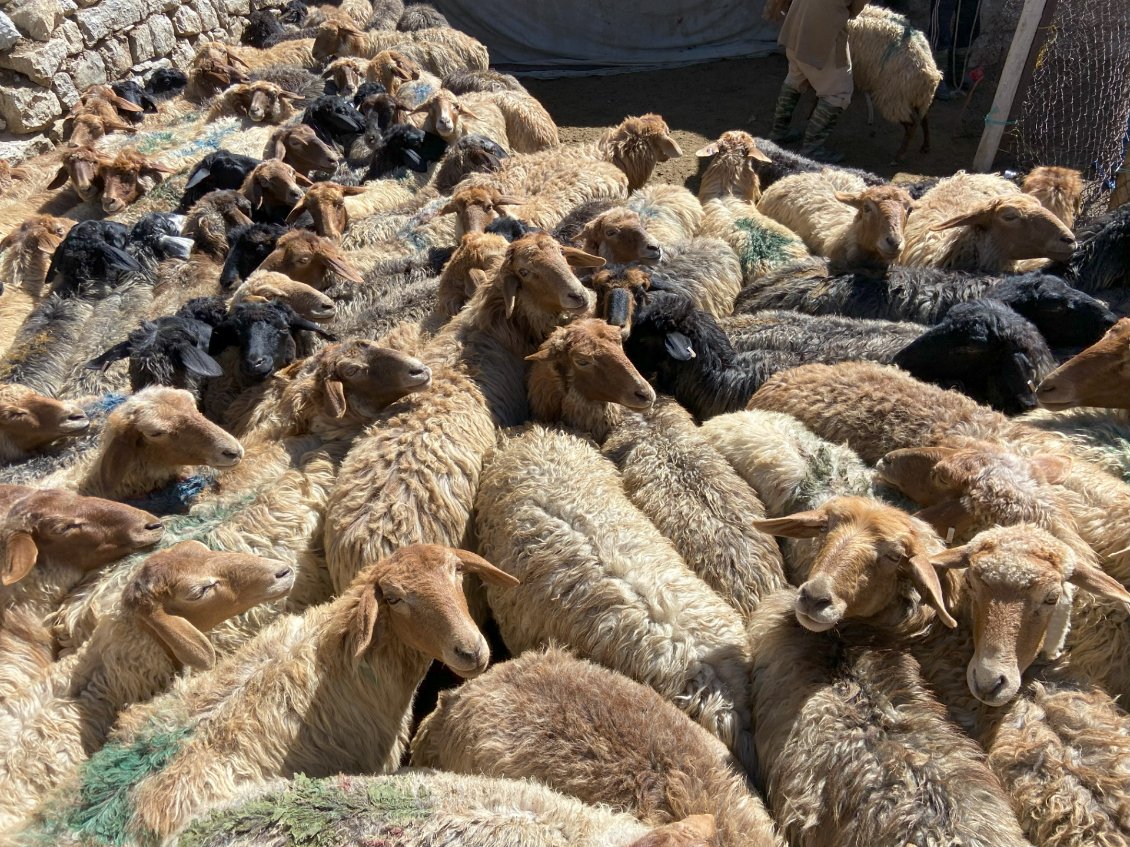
(1018, 52)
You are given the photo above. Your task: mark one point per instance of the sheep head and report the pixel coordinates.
(540, 270)
(1097, 376)
(415, 596)
(38, 235)
(346, 73)
(477, 251)
(618, 235)
(475, 206)
(311, 259)
(52, 526)
(83, 167)
(587, 357)
(264, 335)
(366, 376)
(325, 201)
(617, 295)
(262, 101)
(212, 76)
(1018, 580)
(87, 128)
(1059, 190)
(872, 560)
(338, 39)
(30, 421)
(391, 68)
(881, 212)
(1020, 226)
(733, 171)
(307, 302)
(182, 592)
(637, 145)
(274, 183)
(443, 115)
(128, 177)
(299, 146)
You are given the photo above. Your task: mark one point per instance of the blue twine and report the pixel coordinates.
(176, 498)
(105, 404)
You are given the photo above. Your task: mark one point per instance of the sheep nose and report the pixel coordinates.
(421, 373)
(153, 526)
(1069, 240)
(814, 601)
(77, 416)
(467, 656)
(645, 396)
(575, 301)
(893, 244)
(233, 453)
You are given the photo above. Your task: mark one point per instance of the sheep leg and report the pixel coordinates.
(907, 135)
(925, 135)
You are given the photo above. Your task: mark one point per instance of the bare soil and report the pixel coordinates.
(702, 101)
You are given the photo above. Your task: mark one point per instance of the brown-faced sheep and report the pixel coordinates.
(30, 422)
(325, 202)
(618, 235)
(512, 119)
(670, 213)
(127, 177)
(1059, 190)
(590, 733)
(840, 216)
(177, 595)
(475, 206)
(299, 146)
(307, 302)
(261, 101)
(334, 685)
(83, 168)
(731, 173)
(25, 256)
(1094, 377)
(981, 222)
(311, 259)
(273, 188)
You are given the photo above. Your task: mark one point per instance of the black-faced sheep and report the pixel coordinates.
(218, 170)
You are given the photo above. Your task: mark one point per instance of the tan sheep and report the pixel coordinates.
(25, 256)
(307, 302)
(438, 50)
(982, 222)
(841, 217)
(261, 101)
(1096, 376)
(274, 187)
(332, 689)
(325, 201)
(590, 733)
(31, 422)
(177, 595)
(1059, 190)
(732, 172)
(311, 259)
(299, 146)
(670, 213)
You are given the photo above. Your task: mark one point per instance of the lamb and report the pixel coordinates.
(981, 222)
(1066, 317)
(1093, 377)
(300, 147)
(334, 120)
(533, 518)
(393, 70)
(273, 188)
(885, 47)
(148, 441)
(325, 203)
(82, 167)
(779, 163)
(415, 808)
(31, 422)
(307, 302)
(404, 146)
(616, 235)
(464, 82)
(595, 732)
(177, 595)
(261, 101)
(127, 177)
(400, 614)
(309, 258)
(430, 447)
(86, 128)
(840, 217)
(1059, 190)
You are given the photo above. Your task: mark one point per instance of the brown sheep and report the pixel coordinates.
(299, 146)
(732, 172)
(476, 206)
(1095, 377)
(391, 68)
(273, 188)
(86, 128)
(347, 74)
(261, 101)
(29, 421)
(591, 733)
(25, 257)
(83, 167)
(307, 302)
(325, 201)
(127, 177)
(1059, 190)
(10, 176)
(618, 235)
(483, 252)
(311, 259)
(213, 69)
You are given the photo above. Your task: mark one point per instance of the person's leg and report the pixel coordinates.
(787, 99)
(833, 91)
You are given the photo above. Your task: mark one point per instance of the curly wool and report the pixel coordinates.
(892, 61)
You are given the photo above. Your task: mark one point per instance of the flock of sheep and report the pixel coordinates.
(746, 495)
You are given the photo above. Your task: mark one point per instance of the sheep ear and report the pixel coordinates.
(1093, 579)
(511, 200)
(678, 347)
(510, 283)
(196, 361)
(467, 113)
(925, 579)
(540, 355)
(977, 218)
(302, 179)
(359, 635)
(103, 362)
(473, 563)
(124, 105)
(955, 557)
(182, 639)
(297, 211)
(301, 323)
(280, 149)
(1053, 469)
(335, 399)
(580, 259)
(853, 200)
(710, 149)
(158, 168)
(758, 155)
(198, 176)
(448, 208)
(20, 556)
(345, 270)
(799, 525)
(352, 190)
(60, 179)
(669, 147)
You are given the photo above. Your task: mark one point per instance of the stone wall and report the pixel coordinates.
(50, 50)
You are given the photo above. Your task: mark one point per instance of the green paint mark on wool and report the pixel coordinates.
(762, 246)
(311, 813)
(103, 809)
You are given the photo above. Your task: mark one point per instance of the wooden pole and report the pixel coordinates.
(1018, 52)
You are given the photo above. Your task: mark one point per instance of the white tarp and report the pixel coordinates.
(562, 37)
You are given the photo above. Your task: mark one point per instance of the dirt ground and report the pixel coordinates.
(702, 101)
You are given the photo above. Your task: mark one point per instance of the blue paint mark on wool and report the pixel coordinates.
(176, 498)
(104, 404)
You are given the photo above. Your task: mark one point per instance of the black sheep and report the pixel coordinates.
(570, 227)
(219, 170)
(171, 350)
(1100, 260)
(157, 236)
(786, 163)
(470, 154)
(293, 13)
(93, 252)
(166, 81)
(366, 89)
(250, 245)
(263, 29)
(405, 146)
(421, 16)
(334, 120)
(134, 93)
(1065, 316)
(510, 228)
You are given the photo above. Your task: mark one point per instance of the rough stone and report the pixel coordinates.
(186, 22)
(36, 18)
(183, 54)
(9, 34)
(64, 88)
(237, 7)
(116, 57)
(208, 18)
(18, 149)
(140, 43)
(27, 107)
(107, 17)
(36, 60)
(70, 32)
(88, 69)
(161, 30)
(69, 7)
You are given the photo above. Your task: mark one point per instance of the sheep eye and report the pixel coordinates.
(392, 601)
(584, 363)
(524, 272)
(1010, 217)
(202, 591)
(303, 260)
(611, 233)
(350, 370)
(72, 527)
